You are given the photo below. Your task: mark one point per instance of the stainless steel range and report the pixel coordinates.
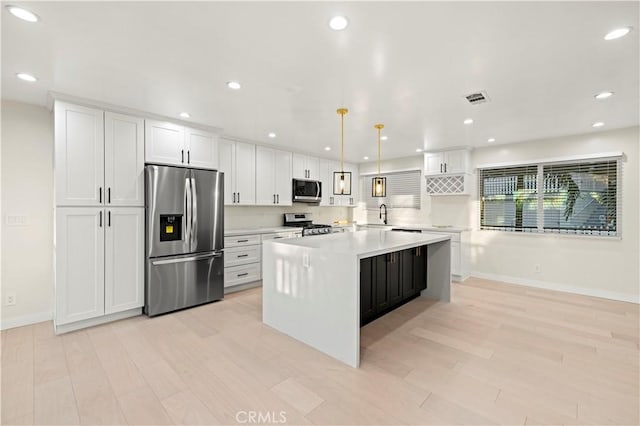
(308, 227)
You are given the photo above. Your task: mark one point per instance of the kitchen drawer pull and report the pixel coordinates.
(277, 238)
(242, 275)
(242, 241)
(242, 255)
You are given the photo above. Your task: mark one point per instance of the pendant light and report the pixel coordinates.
(379, 183)
(342, 179)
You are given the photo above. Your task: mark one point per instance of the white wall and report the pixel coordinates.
(27, 190)
(586, 265)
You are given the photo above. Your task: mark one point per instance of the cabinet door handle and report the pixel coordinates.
(100, 194)
(445, 167)
(109, 218)
(278, 197)
(440, 167)
(182, 156)
(242, 255)
(274, 198)
(238, 197)
(100, 224)
(242, 275)
(109, 195)
(188, 157)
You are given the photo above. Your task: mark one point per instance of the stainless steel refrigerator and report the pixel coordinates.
(184, 238)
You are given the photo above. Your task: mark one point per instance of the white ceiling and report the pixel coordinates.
(406, 65)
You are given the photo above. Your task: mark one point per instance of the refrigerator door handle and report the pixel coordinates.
(186, 259)
(188, 204)
(194, 215)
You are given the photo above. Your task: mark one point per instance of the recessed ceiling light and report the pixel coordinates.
(26, 77)
(185, 115)
(468, 121)
(384, 138)
(617, 33)
(233, 85)
(327, 148)
(365, 158)
(597, 124)
(339, 23)
(418, 149)
(23, 14)
(603, 95)
(272, 135)
(491, 140)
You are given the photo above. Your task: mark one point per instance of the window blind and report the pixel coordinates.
(581, 197)
(508, 198)
(403, 190)
(572, 197)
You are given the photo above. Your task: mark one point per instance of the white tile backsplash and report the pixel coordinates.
(255, 217)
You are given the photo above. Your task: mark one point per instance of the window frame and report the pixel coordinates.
(540, 164)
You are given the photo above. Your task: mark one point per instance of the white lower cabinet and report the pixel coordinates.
(79, 285)
(243, 258)
(124, 251)
(99, 262)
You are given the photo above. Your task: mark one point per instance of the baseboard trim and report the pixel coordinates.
(564, 288)
(73, 326)
(26, 320)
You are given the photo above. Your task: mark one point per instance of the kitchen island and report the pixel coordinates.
(312, 286)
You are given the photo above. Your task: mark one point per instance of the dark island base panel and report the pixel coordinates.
(391, 280)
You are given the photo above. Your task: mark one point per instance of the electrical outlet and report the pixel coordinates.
(11, 299)
(537, 268)
(305, 260)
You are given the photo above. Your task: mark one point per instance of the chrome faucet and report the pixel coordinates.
(383, 216)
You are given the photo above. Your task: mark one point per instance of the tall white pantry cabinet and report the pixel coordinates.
(99, 226)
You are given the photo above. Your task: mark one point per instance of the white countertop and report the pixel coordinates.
(267, 230)
(366, 243)
(419, 226)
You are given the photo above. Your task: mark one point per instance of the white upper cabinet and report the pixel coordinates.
(79, 155)
(305, 167)
(238, 163)
(446, 162)
(174, 145)
(265, 176)
(79, 284)
(124, 160)
(124, 259)
(202, 149)
(273, 177)
(164, 143)
(283, 184)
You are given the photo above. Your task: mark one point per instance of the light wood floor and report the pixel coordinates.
(499, 354)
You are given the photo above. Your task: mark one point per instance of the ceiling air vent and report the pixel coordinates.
(477, 98)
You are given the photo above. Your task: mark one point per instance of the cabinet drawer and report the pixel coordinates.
(241, 274)
(242, 255)
(277, 236)
(242, 240)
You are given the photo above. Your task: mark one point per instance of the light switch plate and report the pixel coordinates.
(16, 220)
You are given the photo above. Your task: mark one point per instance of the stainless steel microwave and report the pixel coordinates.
(307, 191)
